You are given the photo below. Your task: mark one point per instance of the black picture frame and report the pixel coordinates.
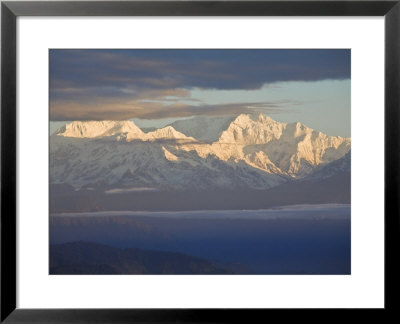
(11, 10)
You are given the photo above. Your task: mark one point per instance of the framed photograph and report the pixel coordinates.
(197, 161)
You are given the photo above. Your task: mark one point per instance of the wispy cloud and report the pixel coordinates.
(123, 110)
(127, 190)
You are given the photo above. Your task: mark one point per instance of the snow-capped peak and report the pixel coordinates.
(251, 129)
(167, 132)
(93, 129)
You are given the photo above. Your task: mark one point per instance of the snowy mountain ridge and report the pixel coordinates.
(123, 130)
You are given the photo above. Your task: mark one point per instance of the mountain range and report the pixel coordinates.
(241, 152)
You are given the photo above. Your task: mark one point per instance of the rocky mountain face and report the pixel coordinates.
(245, 151)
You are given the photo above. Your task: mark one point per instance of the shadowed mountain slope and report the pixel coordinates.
(92, 258)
